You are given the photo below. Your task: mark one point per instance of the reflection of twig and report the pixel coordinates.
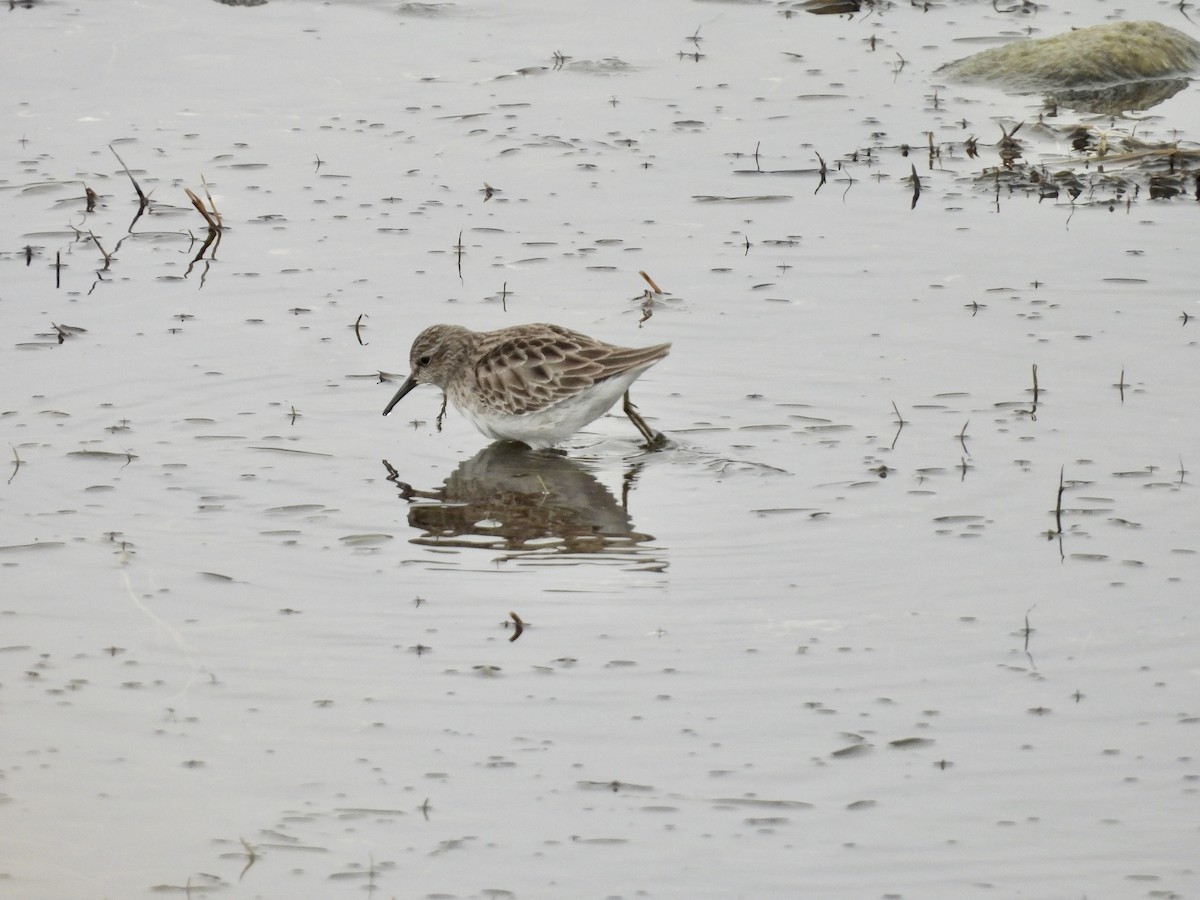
(215, 228)
(393, 475)
(647, 307)
(441, 414)
(213, 237)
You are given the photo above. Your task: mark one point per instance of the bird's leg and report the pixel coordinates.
(654, 439)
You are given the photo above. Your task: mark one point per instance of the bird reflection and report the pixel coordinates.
(512, 498)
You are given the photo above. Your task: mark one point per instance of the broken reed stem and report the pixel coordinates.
(212, 218)
(1035, 385)
(900, 418)
(212, 205)
(142, 198)
(103, 252)
(650, 281)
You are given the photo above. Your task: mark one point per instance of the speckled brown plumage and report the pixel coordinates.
(535, 383)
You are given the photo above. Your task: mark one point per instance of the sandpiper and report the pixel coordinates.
(537, 383)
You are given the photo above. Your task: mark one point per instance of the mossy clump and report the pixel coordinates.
(1093, 57)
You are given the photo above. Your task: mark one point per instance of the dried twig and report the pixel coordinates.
(650, 281)
(107, 256)
(213, 218)
(1058, 501)
(143, 200)
(251, 856)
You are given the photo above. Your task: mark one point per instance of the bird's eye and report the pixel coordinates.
(424, 361)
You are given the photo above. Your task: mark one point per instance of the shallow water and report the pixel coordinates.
(805, 651)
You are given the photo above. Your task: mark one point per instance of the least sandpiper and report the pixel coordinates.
(537, 384)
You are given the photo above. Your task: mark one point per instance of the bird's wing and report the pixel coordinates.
(523, 373)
